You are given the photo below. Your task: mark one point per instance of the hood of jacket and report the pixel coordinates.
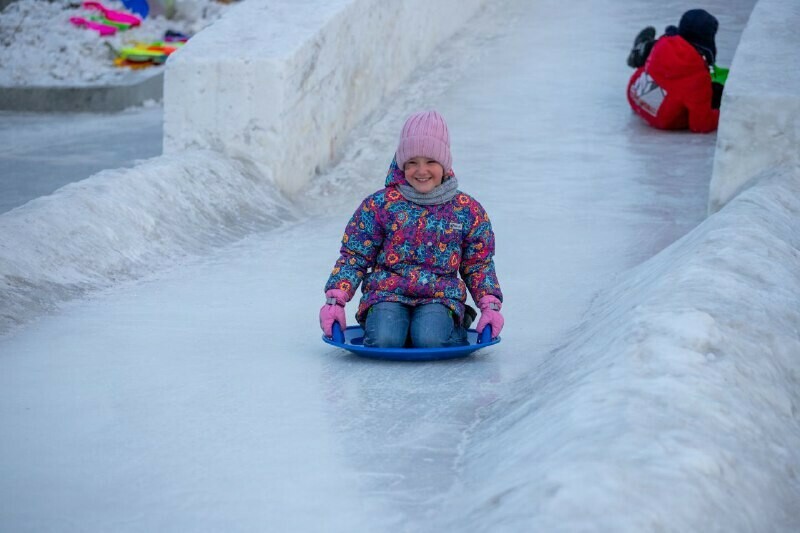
(673, 57)
(699, 27)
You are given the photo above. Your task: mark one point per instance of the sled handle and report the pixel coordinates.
(337, 333)
(486, 335)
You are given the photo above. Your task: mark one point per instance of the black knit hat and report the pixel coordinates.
(699, 27)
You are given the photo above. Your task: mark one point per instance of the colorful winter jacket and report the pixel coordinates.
(410, 253)
(673, 89)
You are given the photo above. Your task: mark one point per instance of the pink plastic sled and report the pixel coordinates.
(102, 29)
(113, 16)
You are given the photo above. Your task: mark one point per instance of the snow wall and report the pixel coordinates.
(760, 121)
(304, 77)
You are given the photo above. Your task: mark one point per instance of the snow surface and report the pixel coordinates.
(42, 48)
(647, 379)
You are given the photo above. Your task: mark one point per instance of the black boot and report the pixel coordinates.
(469, 315)
(641, 47)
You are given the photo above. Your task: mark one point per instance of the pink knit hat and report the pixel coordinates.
(425, 134)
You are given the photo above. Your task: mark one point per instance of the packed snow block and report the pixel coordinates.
(760, 120)
(281, 83)
(93, 98)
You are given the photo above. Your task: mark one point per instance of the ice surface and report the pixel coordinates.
(43, 152)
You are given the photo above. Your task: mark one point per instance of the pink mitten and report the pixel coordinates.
(333, 311)
(490, 315)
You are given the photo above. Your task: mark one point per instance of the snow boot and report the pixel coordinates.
(641, 47)
(469, 316)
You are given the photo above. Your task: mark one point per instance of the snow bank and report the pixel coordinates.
(760, 122)
(676, 406)
(282, 83)
(126, 223)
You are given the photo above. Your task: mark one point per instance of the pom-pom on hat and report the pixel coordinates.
(425, 134)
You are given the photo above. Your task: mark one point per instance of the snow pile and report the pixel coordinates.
(42, 48)
(675, 408)
(125, 223)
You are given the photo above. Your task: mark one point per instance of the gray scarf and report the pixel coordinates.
(441, 194)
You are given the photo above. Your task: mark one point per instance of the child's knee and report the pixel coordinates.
(430, 338)
(385, 337)
(386, 326)
(433, 327)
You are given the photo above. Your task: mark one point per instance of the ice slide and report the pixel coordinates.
(202, 399)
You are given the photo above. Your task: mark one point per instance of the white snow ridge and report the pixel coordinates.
(125, 224)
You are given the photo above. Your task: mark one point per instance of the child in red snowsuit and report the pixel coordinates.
(672, 88)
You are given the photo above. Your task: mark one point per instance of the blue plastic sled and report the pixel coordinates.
(352, 339)
(140, 7)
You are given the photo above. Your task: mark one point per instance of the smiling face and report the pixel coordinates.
(423, 173)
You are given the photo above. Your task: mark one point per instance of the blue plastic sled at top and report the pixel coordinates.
(140, 7)
(352, 339)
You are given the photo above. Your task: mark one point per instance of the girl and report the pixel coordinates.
(408, 242)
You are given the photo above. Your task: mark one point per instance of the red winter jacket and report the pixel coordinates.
(673, 89)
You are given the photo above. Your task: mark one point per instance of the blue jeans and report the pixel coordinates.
(395, 325)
